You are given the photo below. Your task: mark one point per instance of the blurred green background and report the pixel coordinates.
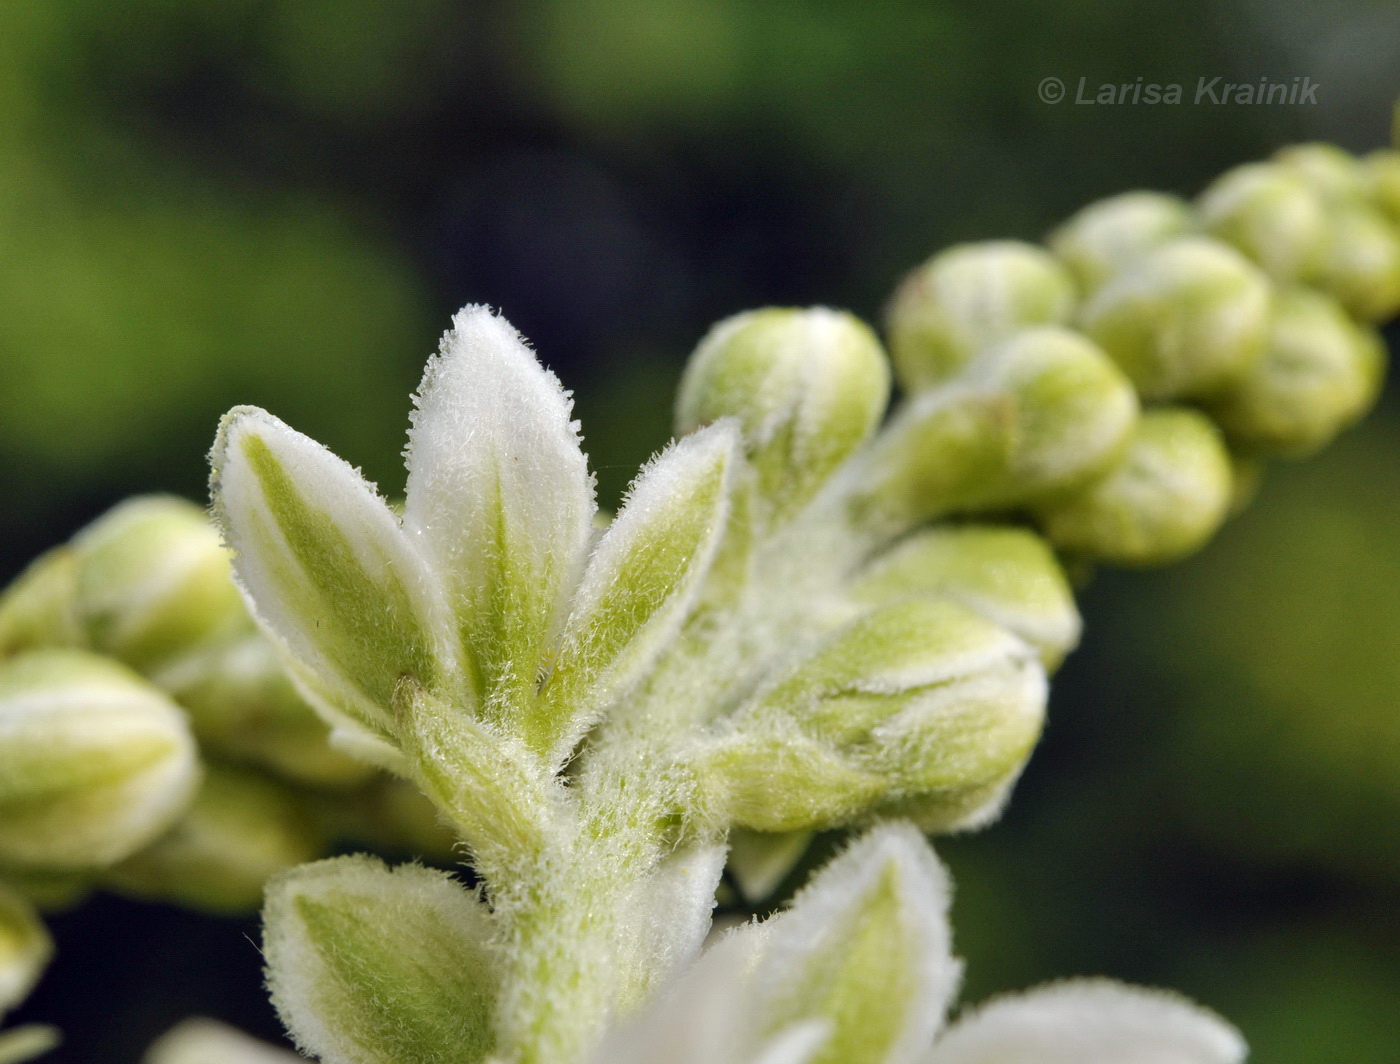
(211, 202)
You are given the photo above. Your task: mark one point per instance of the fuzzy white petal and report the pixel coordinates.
(499, 495)
(872, 925)
(1090, 1021)
(327, 571)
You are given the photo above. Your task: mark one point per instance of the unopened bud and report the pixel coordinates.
(1273, 215)
(922, 695)
(38, 608)
(1319, 372)
(25, 948)
(203, 1041)
(807, 386)
(1333, 172)
(1362, 267)
(1107, 237)
(242, 706)
(153, 580)
(1043, 412)
(1008, 575)
(1188, 320)
(240, 830)
(1167, 496)
(94, 762)
(967, 298)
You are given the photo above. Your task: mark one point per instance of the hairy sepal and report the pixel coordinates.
(500, 499)
(372, 965)
(640, 583)
(330, 575)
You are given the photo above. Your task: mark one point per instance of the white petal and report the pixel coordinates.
(696, 1019)
(328, 572)
(670, 913)
(202, 1041)
(866, 945)
(1090, 1021)
(642, 579)
(499, 496)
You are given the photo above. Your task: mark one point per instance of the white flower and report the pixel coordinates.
(859, 971)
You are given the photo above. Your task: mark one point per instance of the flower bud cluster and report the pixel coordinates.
(1237, 328)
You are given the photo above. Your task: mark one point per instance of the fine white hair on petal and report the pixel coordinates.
(499, 493)
(892, 853)
(698, 1018)
(1090, 1021)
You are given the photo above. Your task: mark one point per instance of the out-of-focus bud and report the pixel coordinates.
(240, 830)
(25, 948)
(1319, 372)
(1188, 320)
(94, 762)
(807, 386)
(153, 580)
(1107, 237)
(1381, 173)
(202, 1041)
(242, 706)
(1008, 575)
(1362, 266)
(967, 298)
(1335, 173)
(1272, 214)
(1164, 500)
(37, 609)
(1041, 413)
(922, 695)
(759, 861)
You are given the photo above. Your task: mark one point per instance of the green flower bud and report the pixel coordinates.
(1163, 501)
(242, 706)
(153, 580)
(1273, 215)
(1333, 172)
(25, 948)
(1043, 412)
(1362, 267)
(1107, 237)
(1381, 173)
(1320, 371)
(1008, 575)
(37, 609)
(921, 695)
(94, 762)
(967, 298)
(241, 830)
(808, 387)
(1188, 320)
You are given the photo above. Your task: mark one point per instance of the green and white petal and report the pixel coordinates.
(1090, 1021)
(865, 948)
(499, 498)
(372, 965)
(641, 581)
(331, 576)
(707, 1016)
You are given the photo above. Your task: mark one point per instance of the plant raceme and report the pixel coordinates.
(806, 616)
